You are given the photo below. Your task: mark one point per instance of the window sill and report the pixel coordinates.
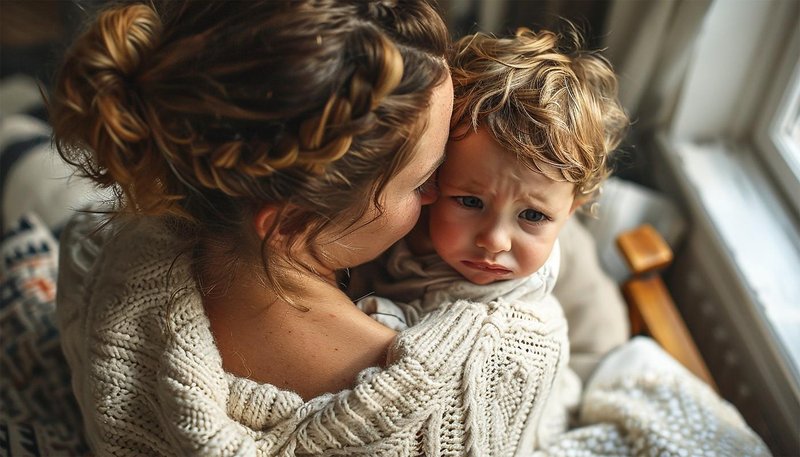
(729, 193)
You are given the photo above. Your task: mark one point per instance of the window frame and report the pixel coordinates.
(769, 139)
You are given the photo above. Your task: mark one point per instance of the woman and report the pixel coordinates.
(256, 148)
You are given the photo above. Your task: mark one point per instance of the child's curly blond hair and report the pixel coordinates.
(543, 97)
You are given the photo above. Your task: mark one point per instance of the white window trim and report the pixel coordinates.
(714, 144)
(783, 101)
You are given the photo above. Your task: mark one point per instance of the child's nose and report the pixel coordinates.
(494, 238)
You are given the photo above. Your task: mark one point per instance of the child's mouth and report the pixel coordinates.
(487, 267)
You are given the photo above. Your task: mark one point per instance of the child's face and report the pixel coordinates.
(495, 218)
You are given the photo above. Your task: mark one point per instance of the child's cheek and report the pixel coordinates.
(443, 228)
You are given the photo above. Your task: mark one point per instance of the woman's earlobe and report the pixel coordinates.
(265, 220)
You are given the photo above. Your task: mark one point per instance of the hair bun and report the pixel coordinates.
(126, 35)
(124, 38)
(99, 111)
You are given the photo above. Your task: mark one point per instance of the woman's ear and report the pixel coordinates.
(265, 220)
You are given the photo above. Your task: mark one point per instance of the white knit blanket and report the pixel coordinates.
(642, 402)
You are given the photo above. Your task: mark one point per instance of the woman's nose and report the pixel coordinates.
(494, 238)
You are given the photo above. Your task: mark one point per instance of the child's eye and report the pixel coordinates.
(469, 202)
(532, 215)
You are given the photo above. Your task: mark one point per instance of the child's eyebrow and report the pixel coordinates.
(471, 186)
(540, 200)
(536, 196)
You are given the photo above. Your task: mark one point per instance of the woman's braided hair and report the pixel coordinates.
(208, 110)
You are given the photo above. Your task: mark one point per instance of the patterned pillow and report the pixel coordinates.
(38, 413)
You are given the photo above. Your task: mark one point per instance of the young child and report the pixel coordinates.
(535, 119)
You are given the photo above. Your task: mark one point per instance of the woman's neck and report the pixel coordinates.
(226, 274)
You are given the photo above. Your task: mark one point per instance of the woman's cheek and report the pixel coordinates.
(408, 214)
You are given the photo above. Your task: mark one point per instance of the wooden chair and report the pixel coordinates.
(652, 310)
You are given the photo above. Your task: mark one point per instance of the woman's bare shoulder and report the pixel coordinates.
(309, 352)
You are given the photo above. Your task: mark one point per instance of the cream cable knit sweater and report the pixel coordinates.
(421, 283)
(467, 380)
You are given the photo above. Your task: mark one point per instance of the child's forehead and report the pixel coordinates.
(478, 154)
(481, 169)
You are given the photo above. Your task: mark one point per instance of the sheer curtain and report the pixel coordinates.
(650, 45)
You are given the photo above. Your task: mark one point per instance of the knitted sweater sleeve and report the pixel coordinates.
(389, 409)
(465, 381)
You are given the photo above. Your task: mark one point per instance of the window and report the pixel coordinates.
(735, 129)
(732, 142)
(777, 135)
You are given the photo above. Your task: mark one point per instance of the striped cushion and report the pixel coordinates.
(38, 413)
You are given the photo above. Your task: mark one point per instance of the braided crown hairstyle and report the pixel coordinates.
(542, 96)
(207, 110)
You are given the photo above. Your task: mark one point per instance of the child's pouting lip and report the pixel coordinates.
(487, 267)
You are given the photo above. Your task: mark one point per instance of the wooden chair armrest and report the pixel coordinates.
(652, 310)
(644, 250)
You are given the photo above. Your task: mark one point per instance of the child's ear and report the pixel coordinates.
(577, 202)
